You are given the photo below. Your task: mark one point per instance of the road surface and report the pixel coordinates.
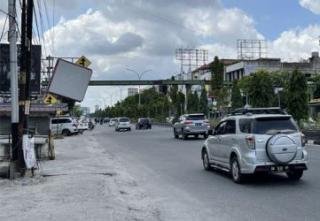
(171, 171)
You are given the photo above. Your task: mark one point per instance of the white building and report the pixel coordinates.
(132, 91)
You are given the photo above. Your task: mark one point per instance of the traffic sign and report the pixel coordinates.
(50, 99)
(83, 61)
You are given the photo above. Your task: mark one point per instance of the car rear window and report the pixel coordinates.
(144, 120)
(271, 125)
(195, 117)
(124, 119)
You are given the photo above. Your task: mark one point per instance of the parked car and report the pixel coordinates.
(123, 123)
(83, 125)
(256, 143)
(191, 124)
(63, 125)
(143, 123)
(113, 122)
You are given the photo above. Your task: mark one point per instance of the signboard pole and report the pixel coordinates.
(12, 37)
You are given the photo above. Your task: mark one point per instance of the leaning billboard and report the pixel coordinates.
(70, 80)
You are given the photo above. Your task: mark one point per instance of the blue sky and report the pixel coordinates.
(275, 16)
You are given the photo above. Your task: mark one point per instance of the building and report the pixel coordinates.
(246, 67)
(132, 91)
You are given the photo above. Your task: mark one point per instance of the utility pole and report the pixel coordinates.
(24, 81)
(12, 37)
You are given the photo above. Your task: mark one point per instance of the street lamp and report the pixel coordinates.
(139, 75)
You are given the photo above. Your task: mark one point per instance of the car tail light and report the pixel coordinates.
(188, 122)
(303, 140)
(250, 141)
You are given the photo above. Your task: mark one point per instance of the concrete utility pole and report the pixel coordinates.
(24, 81)
(139, 75)
(12, 37)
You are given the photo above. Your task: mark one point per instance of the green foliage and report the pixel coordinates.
(76, 111)
(153, 105)
(193, 102)
(316, 93)
(297, 96)
(203, 102)
(259, 88)
(180, 103)
(218, 91)
(217, 70)
(236, 98)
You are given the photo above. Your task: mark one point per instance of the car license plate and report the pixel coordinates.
(279, 168)
(198, 124)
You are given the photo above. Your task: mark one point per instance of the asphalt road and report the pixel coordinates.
(171, 171)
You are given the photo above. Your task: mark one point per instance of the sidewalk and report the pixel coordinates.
(84, 183)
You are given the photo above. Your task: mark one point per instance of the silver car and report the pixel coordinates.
(123, 123)
(253, 143)
(191, 124)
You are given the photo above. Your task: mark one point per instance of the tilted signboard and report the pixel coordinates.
(70, 80)
(5, 68)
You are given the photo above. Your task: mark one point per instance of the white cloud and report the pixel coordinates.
(129, 34)
(312, 5)
(296, 44)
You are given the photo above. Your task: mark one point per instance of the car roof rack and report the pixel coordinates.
(259, 110)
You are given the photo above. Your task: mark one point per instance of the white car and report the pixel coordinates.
(256, 143)
(113, 122)
(83, 125)
(123, 123)
(63, 125)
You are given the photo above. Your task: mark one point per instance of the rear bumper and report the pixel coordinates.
(301, 166)
(272, 167)
(195, 132)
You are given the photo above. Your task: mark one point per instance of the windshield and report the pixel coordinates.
(272, 125)
(195, 117)
(124, 119)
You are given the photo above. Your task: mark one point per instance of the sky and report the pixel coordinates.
(143, 34)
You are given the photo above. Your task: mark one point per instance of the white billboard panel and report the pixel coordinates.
(70, 80)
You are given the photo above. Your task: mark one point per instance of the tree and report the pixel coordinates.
(76, 111)
(316, 93)
(260, 90)
(236, 98)
(218, 90)
(180, 103)
(203, 102)
(193, 102)
(298, 96)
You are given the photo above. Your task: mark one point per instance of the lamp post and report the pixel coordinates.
(139, 75)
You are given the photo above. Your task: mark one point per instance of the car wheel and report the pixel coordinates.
(205, 160)
(295, 174)
(176, 135)
(196, 136)
(184, 136)
(66, 132)
(235, 170)
(205, 135)
(129, 129)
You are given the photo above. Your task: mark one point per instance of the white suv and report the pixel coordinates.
(252, 143)
(63, 125)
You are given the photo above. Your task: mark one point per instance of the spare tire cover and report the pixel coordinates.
(281, 149)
